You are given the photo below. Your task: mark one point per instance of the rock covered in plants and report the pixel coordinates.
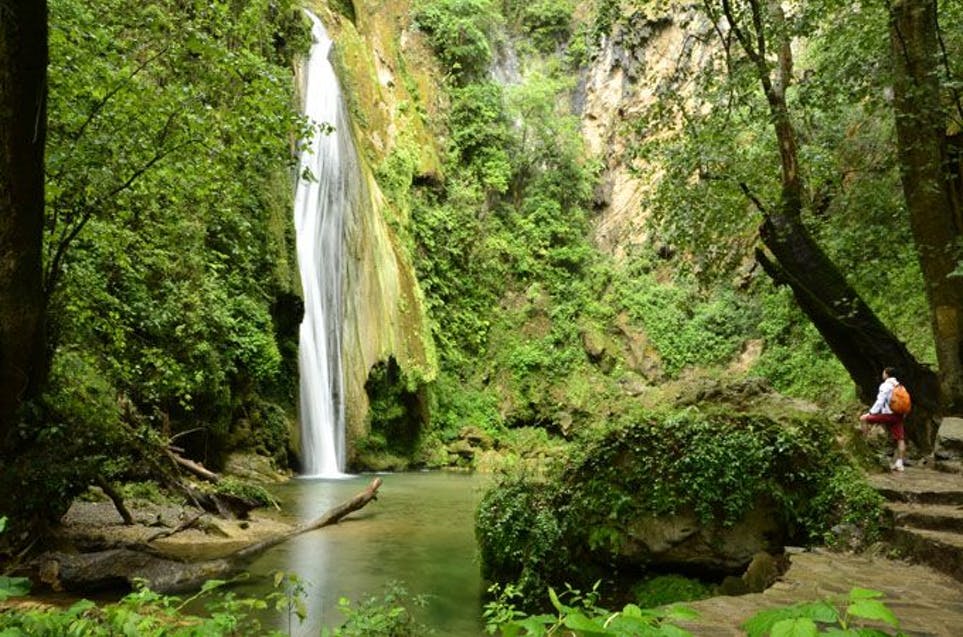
(685, 490)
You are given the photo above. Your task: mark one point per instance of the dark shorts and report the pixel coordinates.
(894, 422)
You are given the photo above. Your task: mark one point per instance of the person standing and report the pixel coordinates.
(881, 414)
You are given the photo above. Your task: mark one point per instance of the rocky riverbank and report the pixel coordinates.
(174, 530)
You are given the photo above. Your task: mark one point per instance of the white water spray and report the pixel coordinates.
(327, 189)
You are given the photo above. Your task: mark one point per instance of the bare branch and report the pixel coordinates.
(752, 197)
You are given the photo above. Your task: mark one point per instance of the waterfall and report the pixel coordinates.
(328, 187)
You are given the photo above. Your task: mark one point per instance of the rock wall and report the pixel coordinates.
(645, 58)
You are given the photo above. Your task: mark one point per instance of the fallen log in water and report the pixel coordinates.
(115, 568)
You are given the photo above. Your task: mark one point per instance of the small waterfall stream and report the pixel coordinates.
(328, 188)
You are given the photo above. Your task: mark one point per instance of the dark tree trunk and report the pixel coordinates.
(23, 126)
(853, 332)
(930, 180)
(850, 328)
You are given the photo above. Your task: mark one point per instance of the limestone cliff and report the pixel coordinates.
(643, 58)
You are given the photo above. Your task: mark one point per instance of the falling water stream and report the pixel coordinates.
(328, 187)
(420, 531)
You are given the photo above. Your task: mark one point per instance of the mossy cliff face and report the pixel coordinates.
(384, 316)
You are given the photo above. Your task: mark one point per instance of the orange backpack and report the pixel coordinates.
(899, 401)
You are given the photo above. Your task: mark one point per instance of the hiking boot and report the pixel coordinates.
(896, 466)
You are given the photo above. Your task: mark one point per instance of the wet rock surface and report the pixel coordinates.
(926, 602)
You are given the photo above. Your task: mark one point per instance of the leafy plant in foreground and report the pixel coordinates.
(390, 615)
(584, 618)
(146, 613)
(827, 617)
(581, 616)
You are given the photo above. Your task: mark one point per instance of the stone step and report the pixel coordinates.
(924, 486)
(940, 550)
(935, 517)
(948, 466)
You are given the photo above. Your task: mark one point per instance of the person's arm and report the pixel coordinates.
(881, 399)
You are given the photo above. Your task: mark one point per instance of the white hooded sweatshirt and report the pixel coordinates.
(881, 406)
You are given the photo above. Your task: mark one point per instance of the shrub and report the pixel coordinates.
(390, 615)
(460, 33)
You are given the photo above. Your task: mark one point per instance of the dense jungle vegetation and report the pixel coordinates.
(798, 228)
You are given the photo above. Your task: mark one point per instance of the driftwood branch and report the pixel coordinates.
(117, 499)
(195, 468)
(332, 516)
(104, 569)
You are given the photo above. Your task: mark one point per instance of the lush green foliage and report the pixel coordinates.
(145, 613)
(567, 526)
(460, 31)
(148, 614)
(246, 490)
(856, 615)
(579, 615)
(501, 248)
(167, 247)
(716, 140)
(669, 589)
(168, 134)
(388, 615)
(533, 322)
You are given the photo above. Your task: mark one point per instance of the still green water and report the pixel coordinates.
(419, 532)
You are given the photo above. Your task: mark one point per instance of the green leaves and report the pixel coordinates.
(460, 31)
(169, 136)
(824, 618)
(798, 627)
(13, 587)
(582, 617)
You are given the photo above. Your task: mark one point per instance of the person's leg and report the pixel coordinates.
(868, 420)
(899, 437)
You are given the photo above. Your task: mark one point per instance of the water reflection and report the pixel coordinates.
(419, 532)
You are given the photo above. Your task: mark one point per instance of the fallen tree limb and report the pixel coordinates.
(180, 527)
(116, 568)
(331, 516)
(116, 498)
(196, 468)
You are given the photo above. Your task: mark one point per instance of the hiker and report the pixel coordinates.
(881, 414)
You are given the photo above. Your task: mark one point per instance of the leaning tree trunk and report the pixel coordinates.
(853, 332)
(23, 126)
(930, 187)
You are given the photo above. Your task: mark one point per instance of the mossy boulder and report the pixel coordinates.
(687, 490)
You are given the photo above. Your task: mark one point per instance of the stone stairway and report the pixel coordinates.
(927, 508)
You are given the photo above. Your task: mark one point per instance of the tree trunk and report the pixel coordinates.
(851, 329)
(930, 183)
(23, 127)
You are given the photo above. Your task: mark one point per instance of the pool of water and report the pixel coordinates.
(419, 532)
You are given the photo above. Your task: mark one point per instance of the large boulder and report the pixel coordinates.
(680, 540)
(949, 438)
